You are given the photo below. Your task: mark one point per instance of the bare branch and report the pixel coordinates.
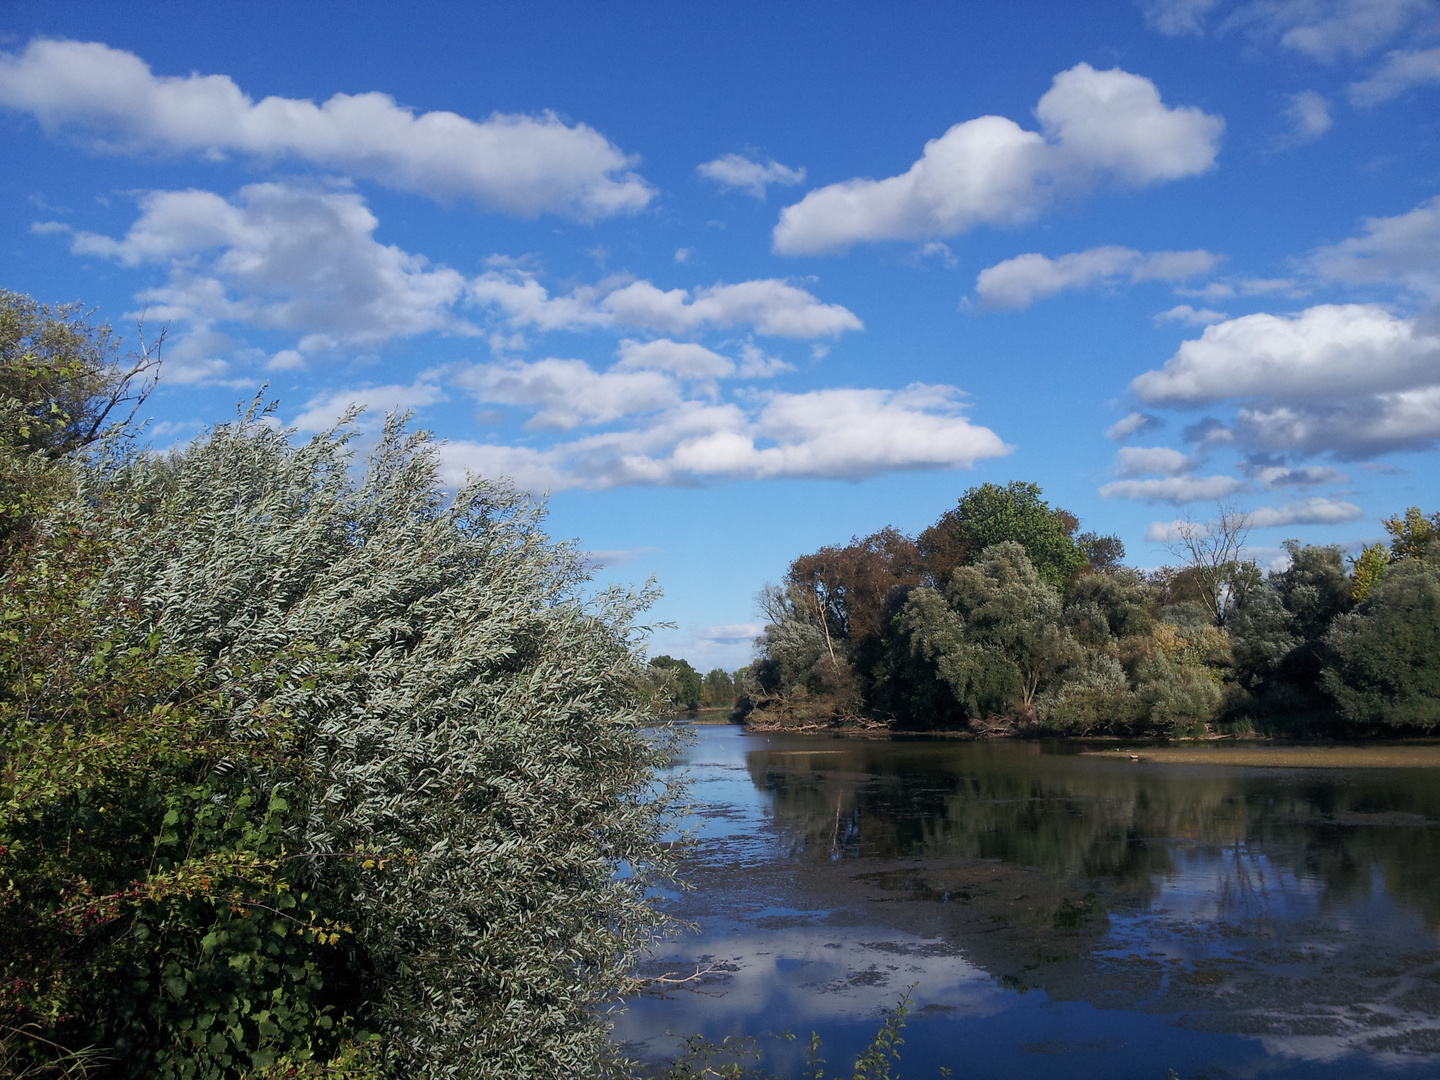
(1211, 551)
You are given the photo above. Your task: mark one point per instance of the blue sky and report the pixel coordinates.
(733, 281)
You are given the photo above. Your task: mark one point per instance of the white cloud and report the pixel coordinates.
(1018, 282)
(531, 469)
(1353, 380)
(1139, 460)
(1191, 316)
(1313, 511)
(1308, 115)
(1096, 127)
(568, 393)
(198, 356)
(1403, 250)
(738, 173)
(682, 255)
(526, 302)
(680, 358)
(733, 632)
(1167, 532)
(1324, 353)
(755, 364)
(325, 409)
(845, 434)
(1329, 30)
(1276, 477)
(525, 165)
(772, 306)
(940, 249)
(285, 360)
(1132, 424)
(1175, 18)
(1403, 69)
(1408, 420)
(1208, 432)
(282, 257)
(599, 558)
(1173, 489)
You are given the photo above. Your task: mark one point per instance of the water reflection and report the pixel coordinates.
(1064, 914)
(1061, 810)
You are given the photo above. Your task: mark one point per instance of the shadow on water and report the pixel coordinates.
(1064, 914)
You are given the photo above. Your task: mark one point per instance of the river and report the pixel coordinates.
(1059, 913)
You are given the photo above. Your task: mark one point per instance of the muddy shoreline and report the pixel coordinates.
(1398, 753)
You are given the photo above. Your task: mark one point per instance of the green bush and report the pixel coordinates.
(1385, 656)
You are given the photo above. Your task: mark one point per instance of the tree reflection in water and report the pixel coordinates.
(1113, 917)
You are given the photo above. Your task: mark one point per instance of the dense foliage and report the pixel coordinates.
(1000, 617)
(305, 769)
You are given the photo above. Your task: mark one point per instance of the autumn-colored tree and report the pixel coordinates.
(1367, 569)
(1413, 533)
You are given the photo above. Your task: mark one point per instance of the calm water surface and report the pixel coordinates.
(1060, 914)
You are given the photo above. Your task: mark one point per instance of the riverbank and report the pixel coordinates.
(1180, 749)
(1406, 755)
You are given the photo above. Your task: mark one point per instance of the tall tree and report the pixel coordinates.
(1213, 555)
(1413, 533)
(63, 385)
(683, 687)
(990, 514)
(1385, 655)
(850, 587)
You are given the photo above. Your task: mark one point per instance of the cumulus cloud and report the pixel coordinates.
(1173, 489)
(736, 172)
(518, 293)
(846, 434)
(1139, 460)
(324, 410)
(1208, 432)
(1353, 380)
(1276, 477)
(1328, 352)
(1308, 116)
(1312, 511)
(1018, 282)
(568, 393)
(1357, 429)
(678, 357)
(1191, 316)
(1168, 532)
(1132, 424)
(756, 364)
(1402, 70)
(1097, 127)
(282, 257)
(1402, 250)
(525, 165)
(772, 306)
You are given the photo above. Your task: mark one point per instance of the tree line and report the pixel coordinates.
(1004, 616)
(677, 686)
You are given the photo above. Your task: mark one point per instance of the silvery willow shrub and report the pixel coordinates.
(465, 767)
